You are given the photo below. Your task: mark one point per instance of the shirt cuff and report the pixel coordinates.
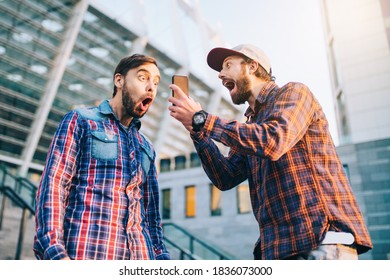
(161, 253)
(163, 256)
(55, 252)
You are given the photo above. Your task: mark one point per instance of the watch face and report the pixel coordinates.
(198, 118)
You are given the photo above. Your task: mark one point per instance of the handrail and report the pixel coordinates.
(4, 173)
(20, 184)
(193, 239)
(24, 184)
(15, 194)
(183, 251)
(20, 202)
(17, 199)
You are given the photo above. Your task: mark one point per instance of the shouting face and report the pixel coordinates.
(235, 78)
(139, 89)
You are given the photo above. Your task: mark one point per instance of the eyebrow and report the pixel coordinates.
(227, 60)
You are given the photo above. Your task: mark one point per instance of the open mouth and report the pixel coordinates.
(229, 84)
(146, 102)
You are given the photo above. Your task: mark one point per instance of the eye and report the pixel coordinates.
(142, 77)
(226, 65)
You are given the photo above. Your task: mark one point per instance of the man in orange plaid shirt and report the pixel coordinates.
(299, 192)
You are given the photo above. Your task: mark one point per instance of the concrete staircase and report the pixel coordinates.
(9, 234)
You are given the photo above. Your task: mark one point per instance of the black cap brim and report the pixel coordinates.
(216, 57)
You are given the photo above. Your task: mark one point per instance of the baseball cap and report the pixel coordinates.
(216, 56)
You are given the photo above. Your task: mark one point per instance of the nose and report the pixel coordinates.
(151, 86)
(221, 74)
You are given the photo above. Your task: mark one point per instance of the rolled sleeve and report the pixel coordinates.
(47, 248)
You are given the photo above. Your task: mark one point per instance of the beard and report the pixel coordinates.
(243, 91)
(130, 104)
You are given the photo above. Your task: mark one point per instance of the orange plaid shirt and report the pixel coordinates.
(298, 187)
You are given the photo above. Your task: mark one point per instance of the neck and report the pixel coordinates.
(120, 112)
(255, 91)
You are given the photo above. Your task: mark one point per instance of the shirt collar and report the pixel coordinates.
(105, 109)
(261, 99)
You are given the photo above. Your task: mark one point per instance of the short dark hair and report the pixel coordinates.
(129, 62)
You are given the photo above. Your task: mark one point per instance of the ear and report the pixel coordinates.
(253, 66)
(118, 80)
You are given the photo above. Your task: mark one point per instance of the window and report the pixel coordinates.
(243, 200)
(180, 162)
(215, 201)
(165, 165)
(166, 204)
(346, 170)
(190, 202)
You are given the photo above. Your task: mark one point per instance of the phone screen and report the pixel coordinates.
(180, 81)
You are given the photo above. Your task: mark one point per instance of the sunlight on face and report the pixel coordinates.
(235, 78)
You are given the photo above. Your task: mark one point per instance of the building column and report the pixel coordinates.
(181, 48)
(162, 132)
(139, 45)
(52, 85)
(139, 26)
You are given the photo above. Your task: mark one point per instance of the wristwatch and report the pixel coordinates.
(198, 120)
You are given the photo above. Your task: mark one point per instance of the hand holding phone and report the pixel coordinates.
(183, 109)
(181, 82)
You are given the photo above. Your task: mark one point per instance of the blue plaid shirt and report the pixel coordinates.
(98, 197)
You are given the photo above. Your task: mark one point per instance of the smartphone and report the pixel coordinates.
(180, 81)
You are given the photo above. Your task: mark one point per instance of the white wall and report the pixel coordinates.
(363, 57)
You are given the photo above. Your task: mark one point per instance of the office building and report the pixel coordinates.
(358, 43)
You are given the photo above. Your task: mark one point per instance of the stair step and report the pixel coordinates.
(9, 235)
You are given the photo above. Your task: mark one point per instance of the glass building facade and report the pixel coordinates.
(44, 74)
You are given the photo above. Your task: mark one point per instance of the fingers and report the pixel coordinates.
(178, 91)
(183, 107)
(178, 113)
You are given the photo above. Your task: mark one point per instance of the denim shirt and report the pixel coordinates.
(98, 197)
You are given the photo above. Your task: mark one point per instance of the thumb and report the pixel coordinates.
(178, 92)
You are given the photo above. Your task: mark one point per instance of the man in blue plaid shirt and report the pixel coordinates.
(98, 197)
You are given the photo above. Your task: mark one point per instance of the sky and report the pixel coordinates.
(290, 32)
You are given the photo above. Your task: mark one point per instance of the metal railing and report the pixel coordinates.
(21, 192)
(192, 247)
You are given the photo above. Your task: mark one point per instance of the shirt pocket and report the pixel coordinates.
(104, 146)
